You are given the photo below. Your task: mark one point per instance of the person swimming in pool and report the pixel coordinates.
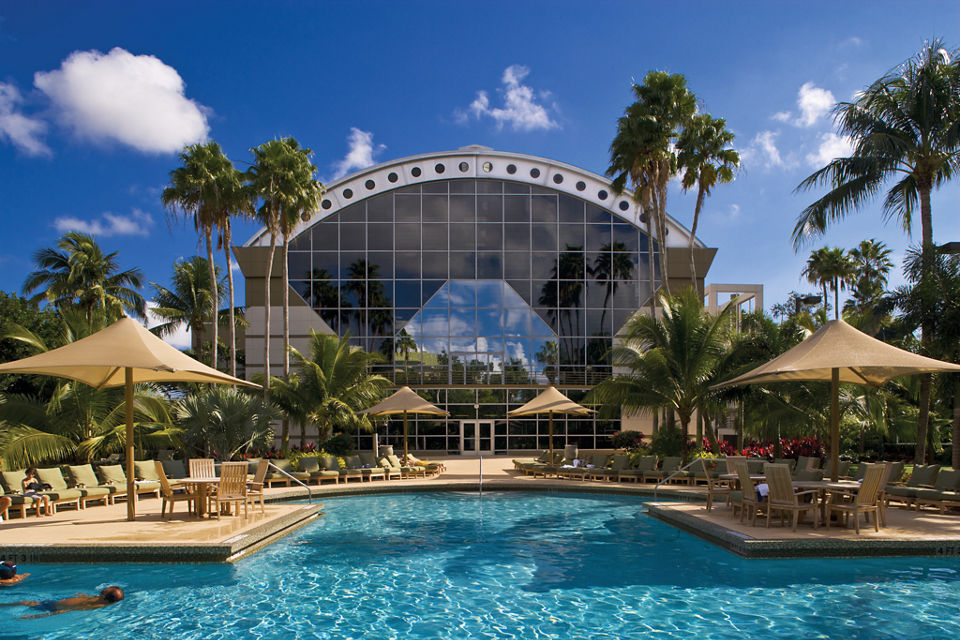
(80, 602)
(9, 575)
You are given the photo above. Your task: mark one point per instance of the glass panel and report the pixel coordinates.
(521, 289)
(489, 236)
(380, 208)
(460, 294)
(355, 213)
(489, 265)
(350, 263)
(597, 215)
(489, 209)
(544, 237)
(517, 322)
(407, 208)
(462, 208)
(298, 264)
(516, 237)
(516, 187)
(380, 293)
(463, 186)
(571, 235)
(434, 208)
(463, 237)
(408, 293)
(544, 208)
(516, 209)
(626, 296)
(571, 209)
(571, 265)
(323, 294)
(463, 264)
(489, 186)
(408, 237)
(435, 236)
(434, 264)
(408, 264)
(325, 236)
(544, 265)
(516, 265)
(440, 186)
(380, 265)
(301, 242)
(598, 237)
(625, 237)
(380, 237)
(430, 288)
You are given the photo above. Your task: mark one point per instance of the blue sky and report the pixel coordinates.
(95, 100)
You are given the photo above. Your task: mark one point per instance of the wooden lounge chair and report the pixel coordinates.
(430, 468)
(85, 478)
(946, 486)
(370, 467)
(12, 489)
(748, 496)
(113, 474)
(255, 486)
(232, 488)
(58, 492)
(670, 465)
(330, 465)
(784, 499)
(923, 477)
(170, 496)
(311, 465)
(864, 500)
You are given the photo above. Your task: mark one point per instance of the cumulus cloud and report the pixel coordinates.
(21, 131)
(831, 146)
(181, 338)
(763, 151)
(120, 97)
(137, 223)
(520, 108)
(360, 154)
(812, 104)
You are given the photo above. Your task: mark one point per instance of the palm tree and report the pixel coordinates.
(202, 189)
(224, 421)
(237, 201)
(905, 126)
(187, 304)
(829, 267)
(78, 273)
(404, 344)
(611, 268)
(282, 179)
(706, 160)
(871, 265)
(671, 360)
(641, 153)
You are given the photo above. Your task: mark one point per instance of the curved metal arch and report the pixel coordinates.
(477, 161)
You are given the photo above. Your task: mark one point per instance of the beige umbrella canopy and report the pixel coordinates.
(551, 401)
(122, 354)
(840, 353)
(404, 401)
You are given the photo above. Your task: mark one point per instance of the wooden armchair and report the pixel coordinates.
(748, 496)
(169, 496)
(255, 487)
(232, 488)
(865, 500)
(784, 499)
(202, 468)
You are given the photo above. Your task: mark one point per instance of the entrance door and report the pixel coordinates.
(476, 437)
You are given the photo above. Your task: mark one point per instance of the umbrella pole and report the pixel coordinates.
(835, 424)
(550, 413)
(404, 437)
(128, 402)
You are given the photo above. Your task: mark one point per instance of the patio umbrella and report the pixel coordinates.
(551, 401)
(404, 401)
(122, 354)
(840, 353)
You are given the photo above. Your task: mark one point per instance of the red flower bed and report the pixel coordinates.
(791, 448)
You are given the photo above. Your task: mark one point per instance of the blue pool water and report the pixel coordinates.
(512, 565)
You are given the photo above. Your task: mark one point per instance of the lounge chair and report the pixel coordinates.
(748, 496)
(671, 464)
(703, 472)
(597, 467)
(174, 468)
(923, 477)
(542, 458)
(148, 481)
(83, 477)
(169, 495)
(784, 499)
(286, 471)
(406, 471)
(430, 468)
(645, 465)
(59, 492)
(232, 488)
(370, 467)
(791, 462)
(619, 462)
(311, 465)
(864, 500)
(330, 463)
(730, 464)
(255, 486)
(808, 475)
(113, 474)
(944, 491)
(843, 469)
(13, 489)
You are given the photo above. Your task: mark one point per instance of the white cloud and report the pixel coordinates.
(831, 146)
(181, 338)
(361, 153)
(852, 41)
(137, 223)
(782, 116)
(763, 151)
(520, 108)
(120, 97)
(21, 131)
(814, 103)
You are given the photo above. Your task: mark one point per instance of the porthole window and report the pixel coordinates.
(487, 167)
(464, 167)
(557, 178)
(415, 172)
(581, 185)
(348, 193)
(393, 177)
(602, 194)
(534, 173)
(439, 168)
(624, 205)
(326, 204)
(370, 184)
(511, 169)
(643, 218)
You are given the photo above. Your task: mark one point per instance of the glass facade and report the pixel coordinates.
(480, 288)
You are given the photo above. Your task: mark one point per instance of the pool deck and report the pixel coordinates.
(102, 534)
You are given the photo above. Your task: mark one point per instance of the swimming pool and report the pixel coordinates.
(511, 565)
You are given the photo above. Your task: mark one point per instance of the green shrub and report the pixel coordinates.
(340, 444)
(667, 441)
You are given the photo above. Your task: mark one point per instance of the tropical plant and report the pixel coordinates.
(45, 323)
(188, 303)
(78, 273)
(203, 189)
(670, 361)
(829, 267)
(903, 127)
(223, 421)
(611, 266)
(706, 159)
(642, 154)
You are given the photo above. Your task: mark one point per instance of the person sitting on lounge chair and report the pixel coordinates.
(32, 488)
(106, 597)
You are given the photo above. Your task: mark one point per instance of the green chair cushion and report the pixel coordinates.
(112, 474)
(145, 470)
(353, 462)
(281, 463)
(671, 464)
(96, 492)
(13, 481)
(755, 467)
(53, 477)
(809, 475)
(83, 474)
(62, 495)
(147, 486)
(924, 474)
(175, 468)
(368, 458)
(646, 463)
(329, 463)
(947, 481)
(309, 464)
(324, 473)
(252, 464)
(905, 492)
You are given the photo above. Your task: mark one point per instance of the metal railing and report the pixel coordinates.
(681, 469)
(297, 480)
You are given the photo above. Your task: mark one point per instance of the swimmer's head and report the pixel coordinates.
(112, 594)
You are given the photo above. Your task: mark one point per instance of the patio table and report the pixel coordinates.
(201, 489)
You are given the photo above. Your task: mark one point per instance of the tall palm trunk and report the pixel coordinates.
(285, 429)
(956, 427)
(266, 317)
(926, 328)
(232, 328)
(701, 192)
(836, 298)
(214, 294)
(660, 208)
(652, 266)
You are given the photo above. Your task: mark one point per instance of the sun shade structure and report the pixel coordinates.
(122, 354)
(404, 401)
(551, 401)
(840, 353)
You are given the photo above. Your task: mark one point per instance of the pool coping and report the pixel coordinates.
(750, 547)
